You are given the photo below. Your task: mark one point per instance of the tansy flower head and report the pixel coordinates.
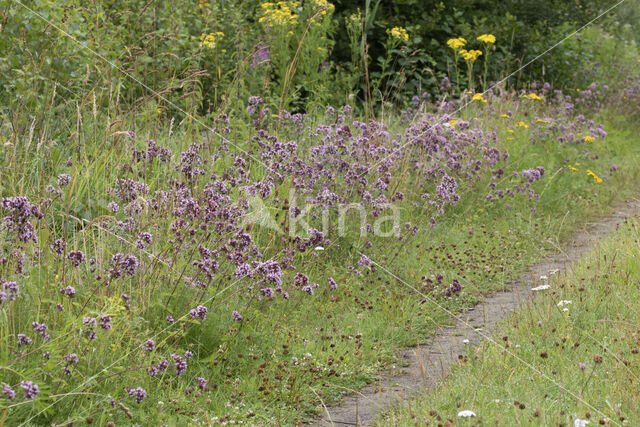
(487, 38)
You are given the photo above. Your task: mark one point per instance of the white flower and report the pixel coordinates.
(540, 288)
(543, 277)
(580, 423)
(564, 302)
(565, 309)
(466, 413)
(465, 341)
(319, 248)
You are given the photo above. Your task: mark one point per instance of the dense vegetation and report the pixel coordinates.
(197, 199)
(210, 56)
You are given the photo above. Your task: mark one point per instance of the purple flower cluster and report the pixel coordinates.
(69, 290)
(64, 180)
(260, 56)
(23, 340)
(200, 312)
(76, 258)
(202, 383)
(138, 393)
(128, 190)
(454, 289)
(9, 290)
(30, 389)
(41, 328)
(105, 322)
(8, 392)
(121, 265)
(59, 247)
(159, 368)
(179, 364)
(90, 324)
(18, 220)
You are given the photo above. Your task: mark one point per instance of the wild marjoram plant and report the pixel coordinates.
(190, 279)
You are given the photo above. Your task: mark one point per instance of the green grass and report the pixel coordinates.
(548, 366)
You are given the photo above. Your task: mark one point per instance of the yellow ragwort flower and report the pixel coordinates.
(571, 168)
(398, 33)
(453, 123)
(533, 96)
(596, 178)
(589, 138)
(470, 55)
(478, 97)
(504, 116)
(487, 38)
(523, 125)
(209, 40)
(279, 14)
(456, 43)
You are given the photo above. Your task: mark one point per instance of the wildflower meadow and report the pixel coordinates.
(222, 212)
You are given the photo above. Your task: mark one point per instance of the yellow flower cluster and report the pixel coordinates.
(478, 97)
(470, 55)
(543, 121)
(523, 125)
(533, 96)
(487, 38)
(589, 138)
(399, 33)
(280, 13)
(325, 5)
(209, 40)
(596, 178)
(355, 17)
(456, 43)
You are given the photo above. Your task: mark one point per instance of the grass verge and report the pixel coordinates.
(570, 355)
